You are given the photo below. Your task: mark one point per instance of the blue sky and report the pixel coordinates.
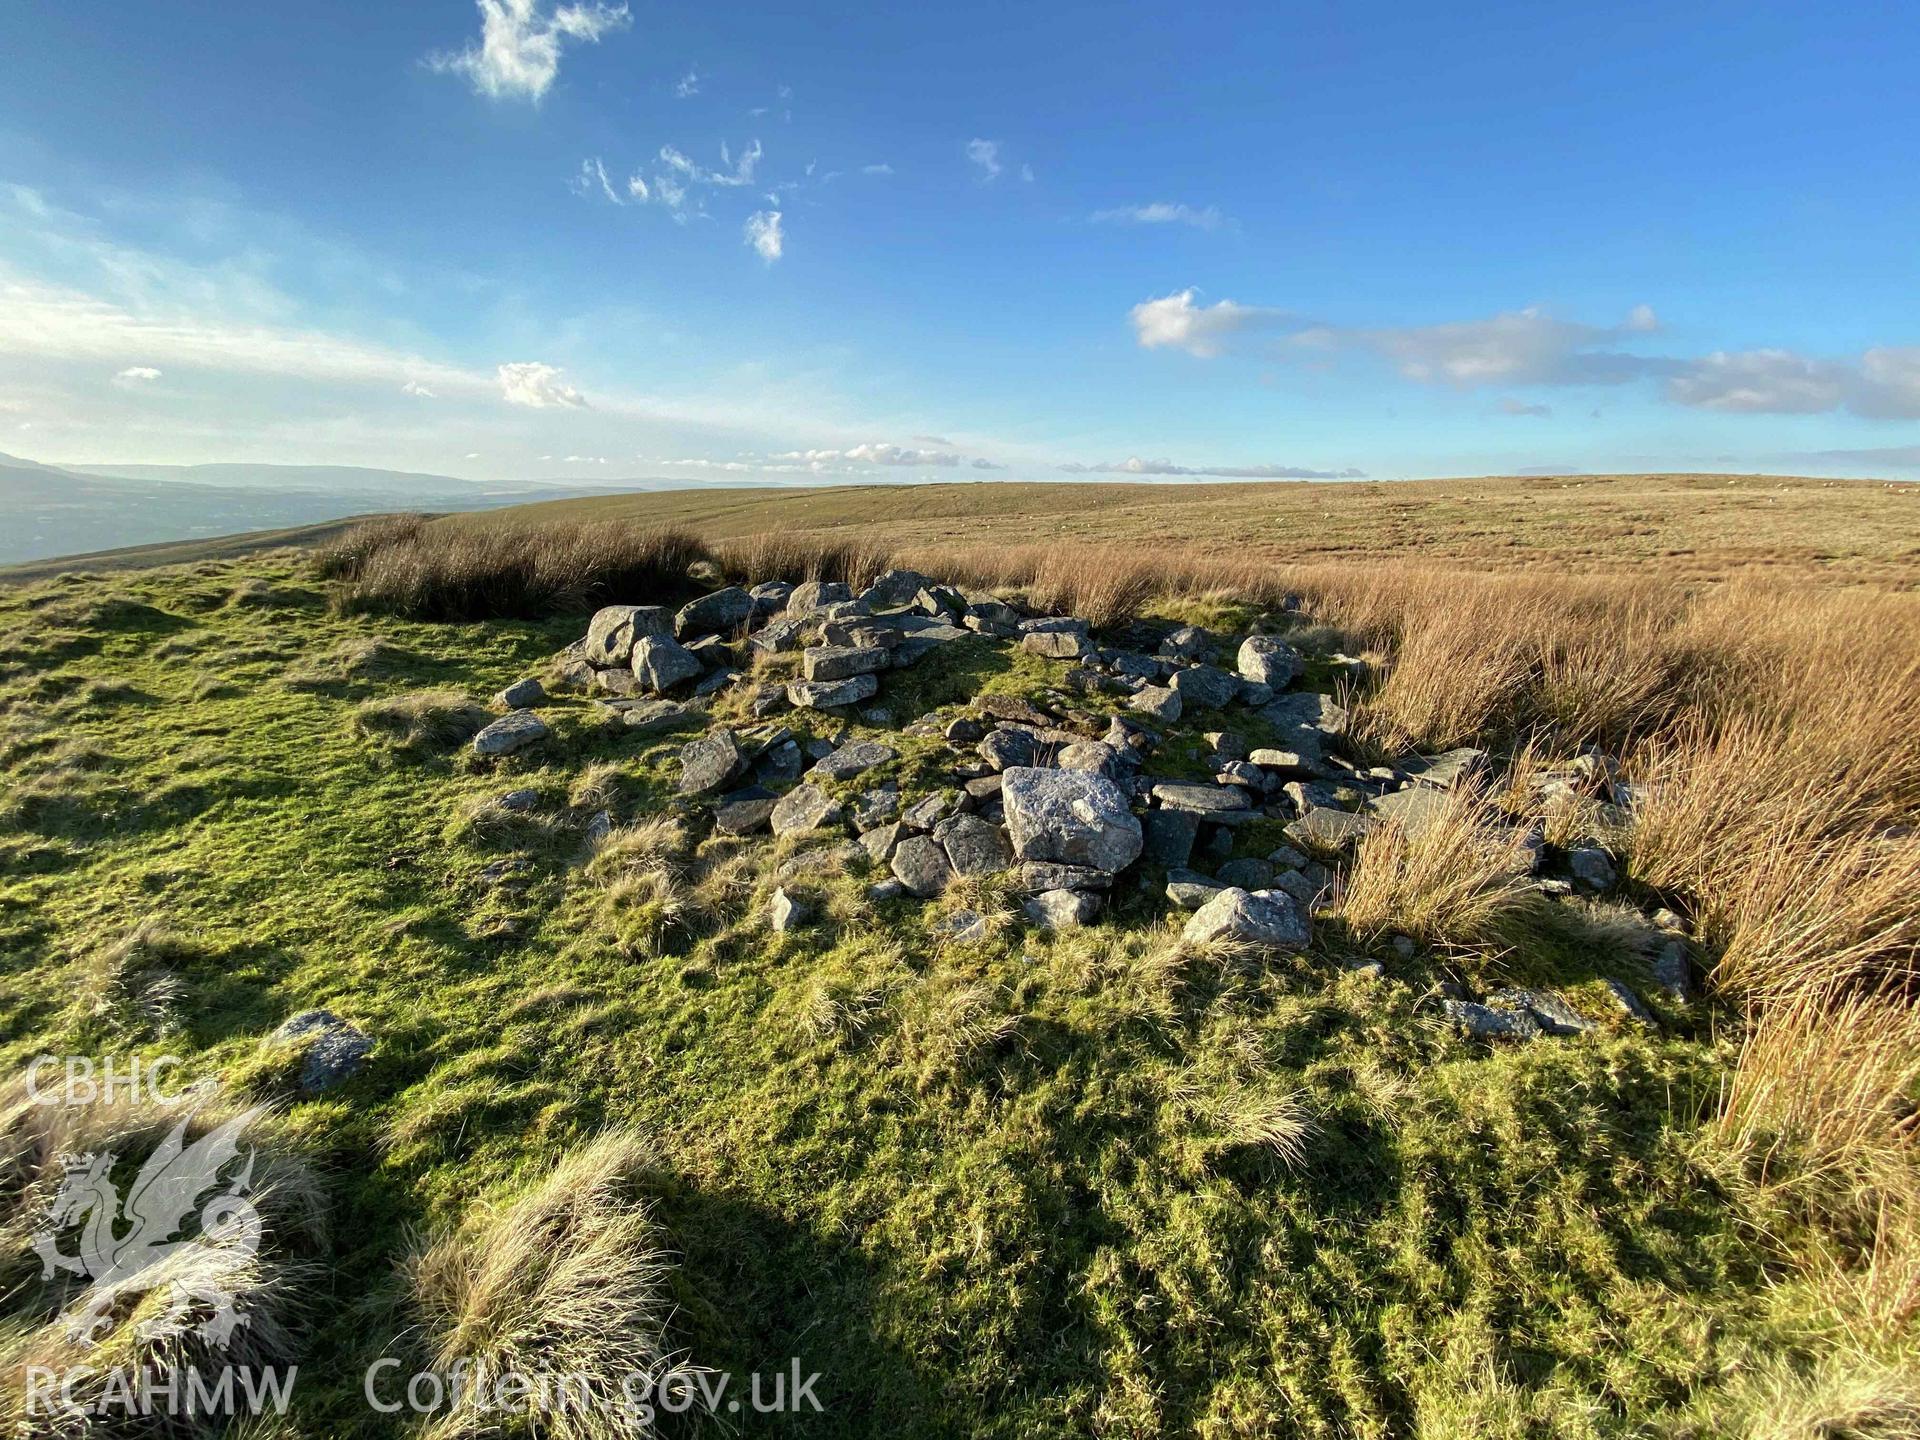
(995, 241)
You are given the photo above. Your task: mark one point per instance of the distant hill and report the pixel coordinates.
(56, 510)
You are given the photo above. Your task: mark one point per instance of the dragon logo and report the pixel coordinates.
(147, 1236)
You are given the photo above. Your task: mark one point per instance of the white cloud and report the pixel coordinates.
(985, 156)
(1510, 406)
(1175, 322)
(881, 169)
(518, 53)
(1136, 466)
(637, 187)
(137, 375)
(593, 179)
(763, 233)
(1161, 213)
(537, 386)
(688, 86)
(417, 390)
(738, 172)
(877, 453)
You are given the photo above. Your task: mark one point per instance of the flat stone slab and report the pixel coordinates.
(841, 662)
(806, 807)
(513, 731)
(819, 694)
(1324, 828)
(1203, 800)
(855, 759)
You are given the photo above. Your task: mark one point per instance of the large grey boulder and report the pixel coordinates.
(1266, 661)
(1009, 746)
(841, 662)
(1056, 644)
(614, 629)
(1189, 642)
(810, 595)
(769, 598)
(1260, 917)
(708, 763)
(974, 846)
(744, 812)
(806, 807)
(521, 695)
(1071, 816)
(1204, 685)
(819, 694)
(720, 613)
(895, 588)
(660, 662)
(334, 1051)
(1159, 701)
(513, 731)
(778, 636)
(920, 864)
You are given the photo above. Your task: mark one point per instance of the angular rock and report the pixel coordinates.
(1189, 642)
(1590, 865)
(1189, 890)
(521, 695)
(720, 613)
(744, 812)
(778, 637)
(928, 812)
(1550, 1012)
(1287, 764)
(1008, 747)
(1160, 701)
(618, 683)
(1033, 876)
(784, 913)
(661, 662)
(963, 926)
(875, 807)
(921, 864)
(1266, 661)
(1324, 828)
(646, 716)
(334, 1051)
(1413, 809)
(820, 694)
(895, 588)
(810, 595)
(841, 662)
(1069, 816)
(708, 763)
(769, 598)
(973, 845)
(1205, 686)
(1206, 801)
(1246, 874)
(1487, 1024)
(614, 629)
(1265, 918)
(1169, 836)
(1629, 1003)
(806, 807)
(1056, 644)
(1672, 971)
(1060, 909)
(855, 759)
(1306, 710)
(1443, 772)
(881, 841)
(1094, 756)
(832, 858)
(513, 731)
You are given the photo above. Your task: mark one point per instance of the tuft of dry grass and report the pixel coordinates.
(422, 719)
(429, 572)
(783, 555)
(1457, 880)
(566, 1282)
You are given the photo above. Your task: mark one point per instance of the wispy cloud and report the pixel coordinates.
(1161, 212)
(881, 169)
(763, 233)
(137, 375)
(1136, 466)
(592, 180)
(418, 391)
(517, 55)
(984, 156)
(688, 85)
(1510, 406)
(877, 453)
(538, 387)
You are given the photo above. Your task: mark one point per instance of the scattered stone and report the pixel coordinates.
(895, 588)
(1189, 890)
(1367, 969)
(1404, 946)
(1486, 1024)
(1204, 685)
(1034, 876)
(875, 807)
(1095, 756)
(1266, 661)
(1056, 644)
(920, 864)
(1060, 909)
(1246, 874)
(974, 846)
(1287, 764)
(598, 827)
(964, 926)
(1170, 835)
(1306, 710)
(334, 1050)
(769, 598)
(1413, 809)
(513, 731)
(1445, 771)
(1629, 1003)
(715, 682)
(708, 763)
(720, 613)
(941, 600)
(810, 595)
(964, 731)
(926, 813)
(784, 913)
(521, 695)
(881, 841)
(1550, 1011)
(807, 807)
(1210, 802)
(1592, 867)
(660, 662)
(840, 662)
(744, 812)
(1160, 701)
(1264, 917)
(1069, 816)
(855, 759)
(821, 694)
(986, 787)
(1008, 747)
(1672, 971)
(1305, 888)
(614, 629)
(1189, 642)
(834, 858)
(777, 637)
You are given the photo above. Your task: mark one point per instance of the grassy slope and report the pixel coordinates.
(1060, 1227)
(1682, 526)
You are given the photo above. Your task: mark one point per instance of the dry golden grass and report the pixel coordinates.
(566, 1285)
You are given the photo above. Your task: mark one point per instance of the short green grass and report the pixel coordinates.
(1025, 1186)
